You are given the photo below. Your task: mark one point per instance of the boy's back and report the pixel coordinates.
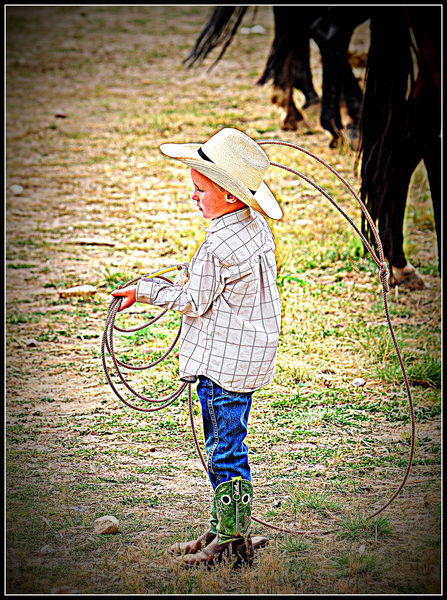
(236, 339)
(231, 304)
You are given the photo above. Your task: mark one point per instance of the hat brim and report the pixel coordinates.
(263, 200)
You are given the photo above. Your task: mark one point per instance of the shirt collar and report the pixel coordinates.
(229, 219)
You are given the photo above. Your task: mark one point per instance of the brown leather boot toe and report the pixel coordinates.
(237, 552)
(192, 546)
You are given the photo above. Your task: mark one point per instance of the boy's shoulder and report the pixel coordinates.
(236, 240)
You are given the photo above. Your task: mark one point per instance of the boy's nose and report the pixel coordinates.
(195, 196)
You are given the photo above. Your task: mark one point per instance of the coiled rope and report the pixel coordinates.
(379, 259)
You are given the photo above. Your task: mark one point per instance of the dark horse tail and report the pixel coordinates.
(220, 29)
(389, 73)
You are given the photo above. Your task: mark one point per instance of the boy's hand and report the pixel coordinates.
(129, 295)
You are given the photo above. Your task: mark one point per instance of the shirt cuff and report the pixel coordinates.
(144, 291)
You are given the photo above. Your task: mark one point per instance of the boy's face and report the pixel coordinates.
(210, 199)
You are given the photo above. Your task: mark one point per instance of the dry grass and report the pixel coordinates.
(323, 452)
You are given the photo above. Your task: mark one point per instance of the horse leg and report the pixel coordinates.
(332, 32)
(286, 64)
(432, 163)
(330, 117)
(351, 90)
(311, 99)
(391, 223)
(292, 115)
(283, 98)
(302, 72)
(426, 31)
(325, 32)
(294, 72)
(292, 34)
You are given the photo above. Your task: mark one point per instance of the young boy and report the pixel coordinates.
(231, 322)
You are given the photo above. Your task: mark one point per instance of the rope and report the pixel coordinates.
(383, 273)
(107, 344)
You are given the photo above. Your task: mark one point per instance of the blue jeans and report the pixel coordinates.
(225, 421)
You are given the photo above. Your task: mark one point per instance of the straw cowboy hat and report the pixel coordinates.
(234, 161)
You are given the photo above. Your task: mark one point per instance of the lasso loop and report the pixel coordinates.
(107, 339)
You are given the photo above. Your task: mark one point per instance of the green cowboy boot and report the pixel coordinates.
(233, 500)
(194, 546)
(233, 505)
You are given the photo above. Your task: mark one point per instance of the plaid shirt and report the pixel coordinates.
(230, 304)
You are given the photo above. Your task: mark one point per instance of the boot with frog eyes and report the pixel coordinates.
(232, 501)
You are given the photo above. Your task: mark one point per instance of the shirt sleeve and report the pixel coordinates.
(196, 296)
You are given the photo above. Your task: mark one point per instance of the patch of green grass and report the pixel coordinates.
(113, 279)
(428, 268)
(293, 545)
(169, 468)
(423, 370)
(378, 344)
(140, 501)
(20, 266)
(345, 485)
(16, 318)
(47, 337)
(359, 527)
(354, 564)
(320, 502)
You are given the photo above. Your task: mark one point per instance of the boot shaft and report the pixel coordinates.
(232, 503)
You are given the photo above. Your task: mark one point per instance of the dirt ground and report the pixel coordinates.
(91, 93)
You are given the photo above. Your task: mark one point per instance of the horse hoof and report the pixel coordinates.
(406, 277)
(289, 125)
